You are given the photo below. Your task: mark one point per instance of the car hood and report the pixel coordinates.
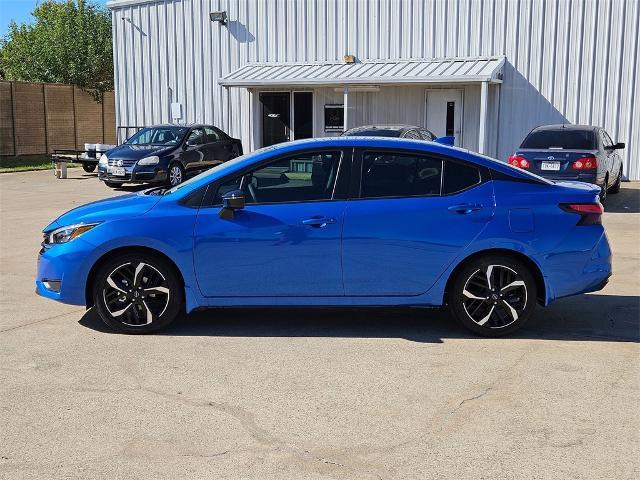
(115, 208)
(136, 152)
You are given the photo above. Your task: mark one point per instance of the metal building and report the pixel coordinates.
(486, 71)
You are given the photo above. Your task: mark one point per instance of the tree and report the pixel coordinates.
(69, 42)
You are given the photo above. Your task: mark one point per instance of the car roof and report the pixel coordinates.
(246, 161)
(180, 125)
(565, 126)
(385, 127)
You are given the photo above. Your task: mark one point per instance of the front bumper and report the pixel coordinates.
(69, 264)
(135, 175)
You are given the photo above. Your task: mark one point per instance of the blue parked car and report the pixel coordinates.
(572, 152)
(347, 221)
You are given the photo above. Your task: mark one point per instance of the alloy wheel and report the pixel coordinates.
(175, 175)
(495, 297)
(136, 294)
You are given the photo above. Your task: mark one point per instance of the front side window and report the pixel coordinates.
(300, 178)
(196, 137)
(399, 175)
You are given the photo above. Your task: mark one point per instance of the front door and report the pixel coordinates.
(411, 221)
(276, 125)
(444, 113)
(285, 242)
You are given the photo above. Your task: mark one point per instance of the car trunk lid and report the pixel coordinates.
(554, 163)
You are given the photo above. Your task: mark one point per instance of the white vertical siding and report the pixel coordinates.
(567, 60)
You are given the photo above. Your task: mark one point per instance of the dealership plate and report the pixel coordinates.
(551, 166)
(118, 171)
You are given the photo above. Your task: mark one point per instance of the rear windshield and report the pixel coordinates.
(374, 132)
(561, 139)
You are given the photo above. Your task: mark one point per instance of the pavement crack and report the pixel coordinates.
(16, 327)
(471, 399)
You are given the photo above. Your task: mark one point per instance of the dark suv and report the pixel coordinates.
(167, 154)
(572, 152)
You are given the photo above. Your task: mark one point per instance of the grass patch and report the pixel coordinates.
(24, 163)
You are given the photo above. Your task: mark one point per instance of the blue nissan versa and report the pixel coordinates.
(347, 221)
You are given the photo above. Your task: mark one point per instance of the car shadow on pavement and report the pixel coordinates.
(608, 318)
(625, 201)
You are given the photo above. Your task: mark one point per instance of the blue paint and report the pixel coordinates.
(384, 251)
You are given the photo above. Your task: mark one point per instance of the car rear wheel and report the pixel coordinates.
(493, 295)
(89, 167)
(136, 293)
(175, 175)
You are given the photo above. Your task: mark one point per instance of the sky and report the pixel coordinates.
(20, 11)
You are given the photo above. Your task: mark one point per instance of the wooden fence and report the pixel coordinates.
(37, 118)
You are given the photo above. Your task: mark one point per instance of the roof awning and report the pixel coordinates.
(367, 72)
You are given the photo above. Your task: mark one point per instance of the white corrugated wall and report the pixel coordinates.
(567, 60)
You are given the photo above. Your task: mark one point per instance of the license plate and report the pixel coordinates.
(118, 171)
(551, 166)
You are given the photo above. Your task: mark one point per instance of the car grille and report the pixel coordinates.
(127, 162)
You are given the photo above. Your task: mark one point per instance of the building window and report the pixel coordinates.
(333, 118)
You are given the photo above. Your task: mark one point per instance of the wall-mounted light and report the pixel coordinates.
(220, 17)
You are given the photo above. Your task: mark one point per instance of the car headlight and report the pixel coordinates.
(104, 161)
(154, 160)
(66, 234)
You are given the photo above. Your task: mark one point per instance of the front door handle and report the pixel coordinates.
(318, 221)
(465, 208)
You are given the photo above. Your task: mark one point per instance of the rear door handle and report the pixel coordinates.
(465, 208)
(318, 221)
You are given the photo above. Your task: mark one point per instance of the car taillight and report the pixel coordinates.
(518, 161)
(591, 213)
(585, 163)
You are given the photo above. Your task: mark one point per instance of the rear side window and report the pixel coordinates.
(566, 139)
(399, 175)
(212, 134)
(458, 177)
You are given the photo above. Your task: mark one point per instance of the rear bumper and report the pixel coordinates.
(580, 270)
(582, 177)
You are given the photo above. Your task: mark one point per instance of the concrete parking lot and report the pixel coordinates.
(317, 394)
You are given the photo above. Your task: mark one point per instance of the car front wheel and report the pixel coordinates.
(493, 295)
(175, 174)
(89, 167)
(137, 293)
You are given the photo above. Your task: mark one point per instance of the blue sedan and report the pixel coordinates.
(348, 221)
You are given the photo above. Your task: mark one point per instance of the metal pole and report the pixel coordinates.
(345, 107)
(482, 130)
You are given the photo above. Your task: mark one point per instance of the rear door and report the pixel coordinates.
(219, 147)
(414, 214)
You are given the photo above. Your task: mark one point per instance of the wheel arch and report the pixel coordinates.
(128, 249)
(532, 265)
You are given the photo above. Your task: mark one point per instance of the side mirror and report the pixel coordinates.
(619, 146)
(231, 201)
(449, 140)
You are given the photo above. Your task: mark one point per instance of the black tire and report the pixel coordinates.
(113, 184)
(89, 167)
(495, 311)
(604, 189)
(615, 188)
(172, 174)
(123, 301)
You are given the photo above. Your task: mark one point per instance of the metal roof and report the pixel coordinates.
(443, 70)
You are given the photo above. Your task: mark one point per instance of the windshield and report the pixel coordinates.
(158, 136)
(563, 138)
